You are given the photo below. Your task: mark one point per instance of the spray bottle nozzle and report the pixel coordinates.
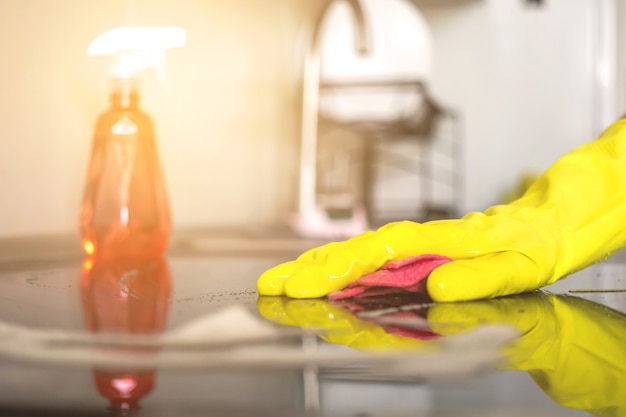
(136, 48)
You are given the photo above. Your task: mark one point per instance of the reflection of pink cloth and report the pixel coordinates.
(406, 275)
(422, 334)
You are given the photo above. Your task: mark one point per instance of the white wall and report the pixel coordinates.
(621, 56)
(228, 123)
(525, 81)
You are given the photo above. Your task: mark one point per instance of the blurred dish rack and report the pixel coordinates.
(366, 117)
(425, 144)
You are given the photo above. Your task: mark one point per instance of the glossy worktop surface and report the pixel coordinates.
(188, 336)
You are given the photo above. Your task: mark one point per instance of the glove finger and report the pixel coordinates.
(272, 281)
(314, 280)
(487, 276)
(333, 266)
(314, 276)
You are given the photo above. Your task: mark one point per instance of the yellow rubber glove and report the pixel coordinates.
(572, 216)
(574, 349)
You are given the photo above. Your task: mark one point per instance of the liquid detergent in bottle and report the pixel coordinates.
(125, 210)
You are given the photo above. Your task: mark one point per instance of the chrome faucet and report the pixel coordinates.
(310, 101)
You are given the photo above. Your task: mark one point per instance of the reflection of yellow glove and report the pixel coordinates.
(574, 349)
(572, 216)
(335, 324)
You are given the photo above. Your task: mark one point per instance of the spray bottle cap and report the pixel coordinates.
(136, 48)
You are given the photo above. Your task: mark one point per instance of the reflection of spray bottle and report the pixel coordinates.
(125, 296)
(125, 210)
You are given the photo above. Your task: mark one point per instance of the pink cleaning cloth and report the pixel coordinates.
(395, 285)
(407, 275)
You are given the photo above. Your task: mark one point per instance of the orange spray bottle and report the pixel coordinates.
(125, 210)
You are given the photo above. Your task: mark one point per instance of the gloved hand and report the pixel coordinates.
(574, 349)
(572, 216)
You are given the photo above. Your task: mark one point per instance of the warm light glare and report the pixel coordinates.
(89, 247)
(124, 385)
(87, 265)
(137, 48)
(136, 38)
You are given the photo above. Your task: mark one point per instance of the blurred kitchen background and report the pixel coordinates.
(515, 84)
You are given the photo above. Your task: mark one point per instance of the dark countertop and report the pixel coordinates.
(569, 341)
